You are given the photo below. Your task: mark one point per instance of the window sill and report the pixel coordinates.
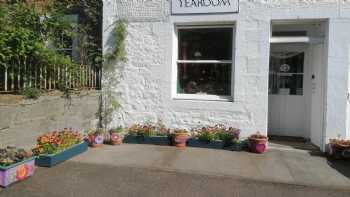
(203, 97)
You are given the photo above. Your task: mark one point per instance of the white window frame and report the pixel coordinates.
(176, 61)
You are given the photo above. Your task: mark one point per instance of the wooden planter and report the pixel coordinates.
(258, 145)
(214, 144)
(16, 172)
(54, 159)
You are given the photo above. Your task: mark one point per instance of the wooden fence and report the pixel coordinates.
(14, 79)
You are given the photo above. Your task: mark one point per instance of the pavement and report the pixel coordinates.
(147, 170)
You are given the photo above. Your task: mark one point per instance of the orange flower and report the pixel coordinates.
(22, 172)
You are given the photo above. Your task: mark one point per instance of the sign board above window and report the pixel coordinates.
(204, 6)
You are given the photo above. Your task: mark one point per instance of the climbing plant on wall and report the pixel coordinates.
(115, 59)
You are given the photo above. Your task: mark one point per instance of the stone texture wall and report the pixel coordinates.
(146, 91)
(22, 123)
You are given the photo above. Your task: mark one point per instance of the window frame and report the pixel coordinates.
(176, 61)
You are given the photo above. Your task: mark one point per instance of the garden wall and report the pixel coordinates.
(22, 121)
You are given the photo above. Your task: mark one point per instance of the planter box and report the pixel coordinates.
(156, 140)
(337, 152)
(215, 144)
(16, 172)
(137, 139)
(133, 139)
(52, 160)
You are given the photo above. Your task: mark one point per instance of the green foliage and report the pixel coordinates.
(119, 33)
(24, 34)
(112, 72)
(117, 130)
(31, 32)
(31, 93)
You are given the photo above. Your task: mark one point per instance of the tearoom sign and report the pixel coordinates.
(204, 6)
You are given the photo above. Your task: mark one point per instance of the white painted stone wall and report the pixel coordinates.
(145, 87)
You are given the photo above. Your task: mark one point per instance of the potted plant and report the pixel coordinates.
(56, 147)
(339, 148)
(15, 165)
(179, 138)
(157, 135)
(216, 137)
(95, 138)
(114, 136)
(258, 143)
(148, 134)
(135, 134)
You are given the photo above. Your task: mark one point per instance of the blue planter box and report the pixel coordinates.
(52, 160)
(157, 140)
(133, 139)
(215, 144)
(137, 139)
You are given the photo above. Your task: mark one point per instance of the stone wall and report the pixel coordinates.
(146, 88)
(23, 122)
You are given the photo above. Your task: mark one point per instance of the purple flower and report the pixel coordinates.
(99, 139)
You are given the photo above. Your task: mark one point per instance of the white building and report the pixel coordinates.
(276, 66)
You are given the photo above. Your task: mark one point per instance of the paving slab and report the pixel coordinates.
(283, 166)
(147, 170)
(75, 179)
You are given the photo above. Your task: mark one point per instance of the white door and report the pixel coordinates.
(288, 94)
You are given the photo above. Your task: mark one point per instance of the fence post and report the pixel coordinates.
(5, 79)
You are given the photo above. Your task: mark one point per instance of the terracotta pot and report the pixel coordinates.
(258, 145)
(116, 139)
(95, 141)
(180, 139)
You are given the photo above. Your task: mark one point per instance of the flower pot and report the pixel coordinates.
(338, 151)
(180, 139)
(258, 145)
(54, 159)
(116, 139)
(16, 172)
(213, 144)
(95, 141)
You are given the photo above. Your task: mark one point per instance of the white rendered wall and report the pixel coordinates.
(145, 88)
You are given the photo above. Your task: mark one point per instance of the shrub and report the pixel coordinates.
(31, 93)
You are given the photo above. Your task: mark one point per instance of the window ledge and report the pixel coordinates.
(203, 97)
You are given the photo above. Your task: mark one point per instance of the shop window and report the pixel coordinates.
(287, 73)
(204, 64)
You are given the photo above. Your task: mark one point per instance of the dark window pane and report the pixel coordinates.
(205, 44)
(211, 79)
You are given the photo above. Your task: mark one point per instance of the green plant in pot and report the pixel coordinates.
(95, 138)
(115, 136)
(11, 155)
(180, 137)
(258, 143)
